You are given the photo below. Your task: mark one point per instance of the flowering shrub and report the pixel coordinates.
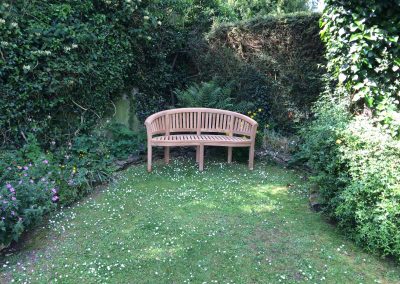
(33, 182)
(28, 193)
(83, 163)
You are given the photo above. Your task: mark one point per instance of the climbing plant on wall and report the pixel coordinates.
(363, 53)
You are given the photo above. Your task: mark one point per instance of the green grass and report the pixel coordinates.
(176, 225)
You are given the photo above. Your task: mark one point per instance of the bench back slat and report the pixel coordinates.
(199, 120)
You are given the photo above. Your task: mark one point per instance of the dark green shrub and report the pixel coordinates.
(62, 63)
(272, 62)
(125, 142)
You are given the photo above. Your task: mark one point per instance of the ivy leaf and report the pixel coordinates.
(369, 100)
(355, 37)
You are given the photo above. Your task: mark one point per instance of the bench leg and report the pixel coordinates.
(201, 158)
(149, 157)
(229, 155)
(197, 153)
(166, 155)
(251, 157)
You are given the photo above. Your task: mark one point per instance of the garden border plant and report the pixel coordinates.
(353, 144)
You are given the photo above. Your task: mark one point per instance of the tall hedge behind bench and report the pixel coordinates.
(271, 61)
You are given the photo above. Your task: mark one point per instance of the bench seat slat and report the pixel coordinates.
(199, 138)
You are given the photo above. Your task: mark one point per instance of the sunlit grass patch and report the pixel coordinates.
(179, 225)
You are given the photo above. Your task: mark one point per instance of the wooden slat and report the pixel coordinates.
(199, 122)
(168, 127)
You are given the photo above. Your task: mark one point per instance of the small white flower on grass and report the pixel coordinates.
(14, 24)
(2, 21)
(26, 67)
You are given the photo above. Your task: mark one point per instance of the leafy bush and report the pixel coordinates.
(84, 163)
(125, 142)
(27, 192)
(356, 169)
(352, 146)
(369, 206)
(321, 152)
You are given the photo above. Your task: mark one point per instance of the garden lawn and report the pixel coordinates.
(177, 225)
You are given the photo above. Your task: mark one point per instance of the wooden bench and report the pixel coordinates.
(200, 127)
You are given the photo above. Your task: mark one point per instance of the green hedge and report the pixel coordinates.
(363, 51)
(63, 62)
(353, 144)
(273, 62)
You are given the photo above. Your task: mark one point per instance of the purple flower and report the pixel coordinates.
(8, 185)
(13, 198)
(55, 198)
(45, 162)
(25, 175)
(54, 191)
(26, 168)
(12, 190)
(13, 213)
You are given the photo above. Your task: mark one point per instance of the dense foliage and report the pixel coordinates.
(353, 145)
(63, 62)
(362, 39)
(27, 198)
(272, 62)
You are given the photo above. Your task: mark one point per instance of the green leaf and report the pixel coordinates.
(355, 37)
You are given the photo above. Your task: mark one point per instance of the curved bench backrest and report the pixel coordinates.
(200, 120)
